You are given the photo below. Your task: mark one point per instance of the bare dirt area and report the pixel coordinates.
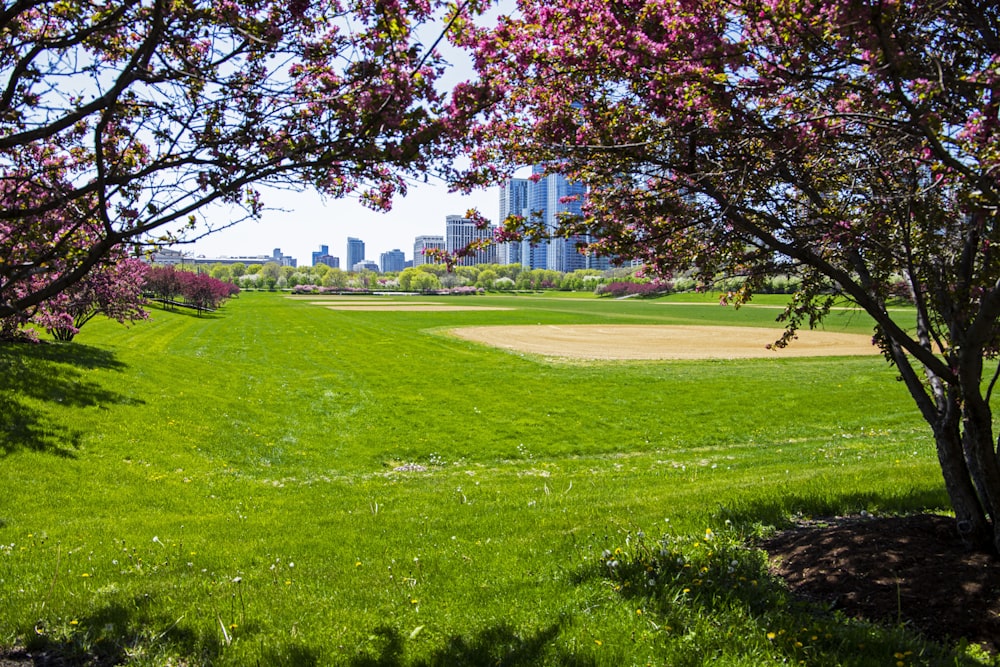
(663, 342)
(388, 307)
(912, 569)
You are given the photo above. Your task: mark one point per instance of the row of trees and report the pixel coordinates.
(187, 288)
(117, 290)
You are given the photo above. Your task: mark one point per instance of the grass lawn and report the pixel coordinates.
(284, 484)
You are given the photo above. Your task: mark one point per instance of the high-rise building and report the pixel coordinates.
(535, 255)
(393, 261)
(323, 256)
(355, 252)
(323, 250)
(423, 243)
(460, 232)
(513, 201)
(549, 197)
(283, 259)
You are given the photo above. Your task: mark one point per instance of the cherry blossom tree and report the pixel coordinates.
(123, 122)
(851, 143)
(112, 289)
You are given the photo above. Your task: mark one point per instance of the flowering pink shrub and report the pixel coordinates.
(625, 288)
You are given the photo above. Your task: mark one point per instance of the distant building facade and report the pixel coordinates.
(283, 259)
(176, 257)
(549, 197)
(323, 256)
(513, 201)
(460, 232)
(355, 252)
(393, 261)
(329, 260)
(323, 250)
(365, 265)
(423, 243)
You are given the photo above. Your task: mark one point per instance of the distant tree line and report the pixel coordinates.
(194, 289)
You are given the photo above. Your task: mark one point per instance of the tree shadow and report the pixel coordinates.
(111, 635)
(53, 373)
(782, 511)
(499, 645)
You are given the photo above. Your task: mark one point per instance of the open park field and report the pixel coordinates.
(288, 483)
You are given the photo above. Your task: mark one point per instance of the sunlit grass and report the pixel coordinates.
(286, 484)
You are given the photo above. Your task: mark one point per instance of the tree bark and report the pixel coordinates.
(970, 516)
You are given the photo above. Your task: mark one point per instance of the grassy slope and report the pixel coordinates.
(221, 488)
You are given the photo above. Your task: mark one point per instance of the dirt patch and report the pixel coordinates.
(663, 342)
(913, 569)
(404, 307)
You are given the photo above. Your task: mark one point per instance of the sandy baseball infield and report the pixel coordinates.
(597, 341)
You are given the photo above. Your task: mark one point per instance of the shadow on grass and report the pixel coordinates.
(112, 635)
(783, 510)
(119, 633)
(53, 373)
(183, 309)
(500, 645)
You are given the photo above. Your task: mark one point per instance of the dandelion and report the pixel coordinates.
(598, 642)
(85, 575)
(771, 635)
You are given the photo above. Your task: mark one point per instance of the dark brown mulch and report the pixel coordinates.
(913, 569)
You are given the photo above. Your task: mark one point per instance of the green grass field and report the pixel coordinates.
(223, 490)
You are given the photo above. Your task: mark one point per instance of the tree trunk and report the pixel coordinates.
(970, 517)
(978, 443)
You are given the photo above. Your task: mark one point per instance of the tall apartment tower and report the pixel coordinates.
(549, 197)
(393, 261)
(355, 252)
(535, 256)
(460, 232)
(422, 243)
(513, 201)
(323, 250)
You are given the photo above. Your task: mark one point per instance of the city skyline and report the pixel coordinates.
(302, 222)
